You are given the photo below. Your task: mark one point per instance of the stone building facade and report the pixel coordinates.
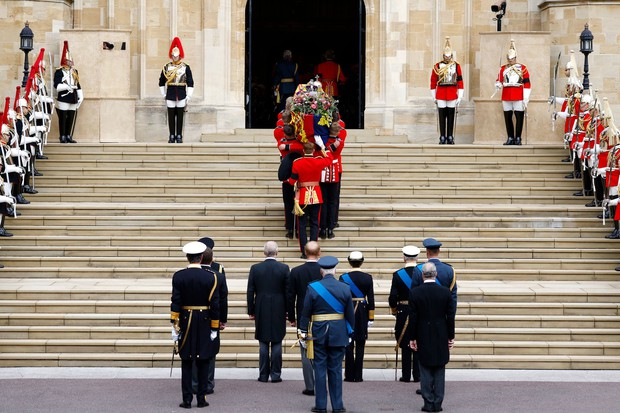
(403, 38)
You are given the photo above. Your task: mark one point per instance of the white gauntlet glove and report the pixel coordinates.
(213, 335)
(13, 168)
(175, 335)
(6, 200)
(370, 323)
(163, 91)
(80, 97)
(319, 141)
(498, 86)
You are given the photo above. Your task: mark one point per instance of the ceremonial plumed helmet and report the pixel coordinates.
(176, 49)
(447, 50)
(66, 59)
(572, 64)
(512, 51)
(586, 99)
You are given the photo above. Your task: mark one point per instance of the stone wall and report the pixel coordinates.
(404, 39)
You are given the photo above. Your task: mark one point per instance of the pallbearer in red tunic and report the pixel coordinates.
(447, 92)
(306, 177)
(514, 80)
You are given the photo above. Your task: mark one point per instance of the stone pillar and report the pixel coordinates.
(108, 112)
(533, 50)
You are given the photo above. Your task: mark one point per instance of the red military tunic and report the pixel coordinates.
(613, 173)
(446, 80)
(330, 75)
(580, 130)
(291, 144)
(514, 78)
(307, 171)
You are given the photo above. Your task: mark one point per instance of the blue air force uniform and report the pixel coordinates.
(330, 323)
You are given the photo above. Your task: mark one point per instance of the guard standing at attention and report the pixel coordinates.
(176, 85)
(363, 291)
(514, 80)
(195, 314)
(402, 281)
(326, 326)
(69, 95)
(447, 92)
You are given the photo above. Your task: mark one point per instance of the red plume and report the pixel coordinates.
(5, 114)
(36, 66)
(18, 89)
(176, 42)
(65, 52)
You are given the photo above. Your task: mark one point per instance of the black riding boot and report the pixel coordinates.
(510, 131)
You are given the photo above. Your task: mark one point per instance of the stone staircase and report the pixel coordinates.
(87, 275)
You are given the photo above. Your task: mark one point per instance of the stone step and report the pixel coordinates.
(159, 289)
(239, 256)
(292, 359)
(357, 193)
(349, 183)
(239, 240)
(604, 273)
(236, 307)
(233, 211)
(269, 170)
(473, 197)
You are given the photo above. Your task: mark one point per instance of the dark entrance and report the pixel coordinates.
(307, 29)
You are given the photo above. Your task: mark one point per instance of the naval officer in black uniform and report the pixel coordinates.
(326, 325)
(402, 281)
(363, 293)
(194, 312)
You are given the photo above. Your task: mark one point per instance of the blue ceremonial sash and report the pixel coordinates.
(356, 291)
(405, 277)
(336, 305)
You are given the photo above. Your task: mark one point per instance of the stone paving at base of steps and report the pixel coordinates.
(90, 390)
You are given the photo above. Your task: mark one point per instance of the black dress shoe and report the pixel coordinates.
(323, 233)
(63, 139)
(450, 140)
(202, 403)
(518, 141)
(567, 159)
(579, 193)
(37, 173)
(185, 405)
(617, 268)
(303, 256)
(307, 392)
(21, 200)
(570, 176)
(29, 190)
(509, 141)
(263, 380)
(349, 380)
(593, 203)
(179, 138)
(289, 234)
(39, 156)
(418, 391)
(330, 234)
(70, 139)
(404, 380)
(416, 379)
(317, 410)
(427, 409)
(276, 380)
(442, 140)
(343, 410)
(614, 235)
(5, 233)
(171, 139)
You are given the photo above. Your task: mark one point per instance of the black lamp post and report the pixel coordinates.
(25, 45)
(585, 46)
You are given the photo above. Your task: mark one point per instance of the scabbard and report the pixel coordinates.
(310, 348)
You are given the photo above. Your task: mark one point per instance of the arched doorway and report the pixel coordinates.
(307, 29)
